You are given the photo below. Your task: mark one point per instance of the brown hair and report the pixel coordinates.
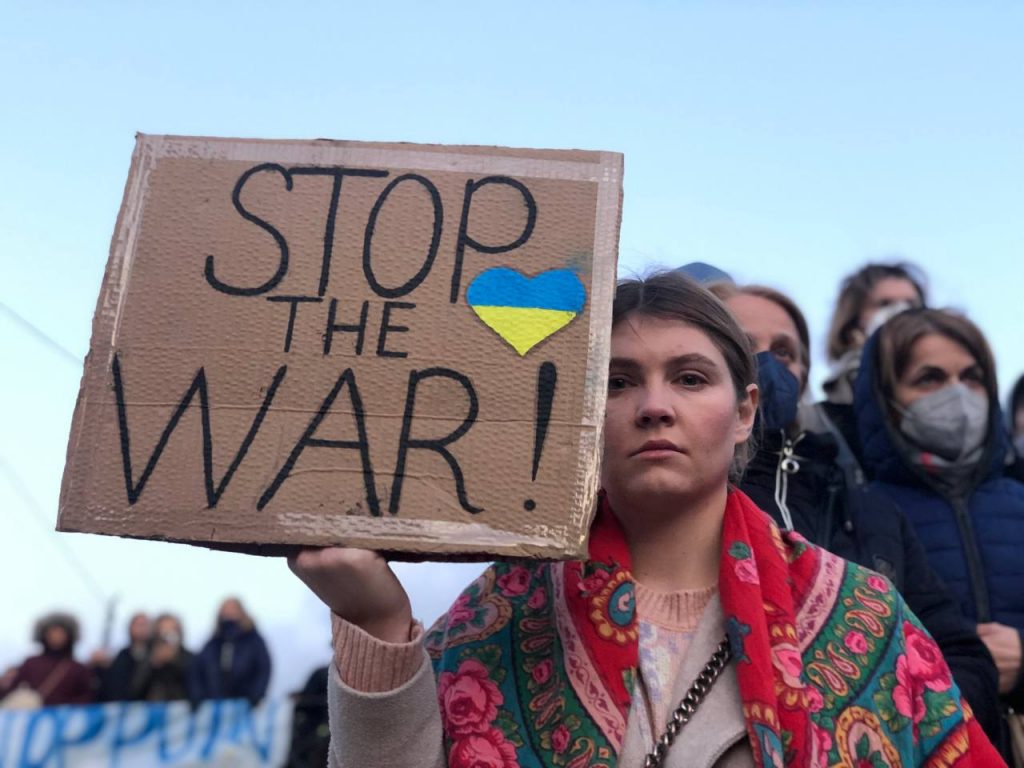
(245, 621)
(853, 295)
(725, 291)
(897, 338)
(673, 296)
(65, 621)
(169, 617)
(1016, 402)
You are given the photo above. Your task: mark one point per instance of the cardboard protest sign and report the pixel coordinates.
(392, 346)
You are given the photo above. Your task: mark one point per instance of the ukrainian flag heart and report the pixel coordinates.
(526, 310)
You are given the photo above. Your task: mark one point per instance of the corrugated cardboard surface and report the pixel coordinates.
(224, 245)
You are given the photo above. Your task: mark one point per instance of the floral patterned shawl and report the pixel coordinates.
(536, 661)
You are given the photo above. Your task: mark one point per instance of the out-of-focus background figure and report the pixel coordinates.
(53, 675)
(169, 662)
(933, 434)
(123, 677)
(234, 663)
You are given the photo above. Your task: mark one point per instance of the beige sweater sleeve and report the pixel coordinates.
(382, 701)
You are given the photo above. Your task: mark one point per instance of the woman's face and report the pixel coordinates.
(167, 628)
(936, 361)
(673, 419)
(55, 638)
(139, 629)
(230, 610)
(884, 293)
(770, 329)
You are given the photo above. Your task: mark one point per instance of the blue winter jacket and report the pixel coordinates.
(234, 664)
(975, 543)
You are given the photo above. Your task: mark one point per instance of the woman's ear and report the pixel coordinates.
(747, 410)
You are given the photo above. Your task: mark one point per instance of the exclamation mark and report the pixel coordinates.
(547, 379)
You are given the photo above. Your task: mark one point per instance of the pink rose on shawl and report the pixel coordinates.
(908, 695)
(560, 738)
(814, 701)
(877, 583)
(595, 581)
(542, 672)
(746, 570)
(822, 744)
(786, 659)
(469, 699)
(488, 749)
(856, 641)
(538, 599)
(515, 582)
(460, 612)
(925, 661)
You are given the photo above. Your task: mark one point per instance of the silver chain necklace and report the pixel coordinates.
(689, 703)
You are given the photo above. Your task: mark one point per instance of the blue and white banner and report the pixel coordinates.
(147, 735)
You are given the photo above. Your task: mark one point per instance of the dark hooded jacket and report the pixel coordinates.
(234, 664)
(123, 679)
(975, 540)
(865, 526)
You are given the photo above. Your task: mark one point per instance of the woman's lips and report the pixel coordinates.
(655, 449)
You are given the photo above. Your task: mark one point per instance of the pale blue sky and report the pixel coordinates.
(786, 142)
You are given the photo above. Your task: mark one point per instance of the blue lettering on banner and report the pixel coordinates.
(137, 734)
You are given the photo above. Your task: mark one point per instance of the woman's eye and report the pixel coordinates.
(930, 377)
(617, 383)
(783, 353)
(973, 376)
(690, 379)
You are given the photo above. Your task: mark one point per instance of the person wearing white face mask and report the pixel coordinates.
(932, 434)
(867, 298)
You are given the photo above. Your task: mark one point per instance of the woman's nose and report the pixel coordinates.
(655, 408)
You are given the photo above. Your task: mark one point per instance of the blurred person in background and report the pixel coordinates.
(54, 676)
(1015, 421)
(121, 679)
(867, 298)
(234, 663)
(795, 477)
(311, 732)
(1015, 415)
(167, 672)
(933, 435)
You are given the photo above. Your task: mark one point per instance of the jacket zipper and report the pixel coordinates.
(789, 464)
(974, 570)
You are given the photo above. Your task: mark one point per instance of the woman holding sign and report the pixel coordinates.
(692, 609)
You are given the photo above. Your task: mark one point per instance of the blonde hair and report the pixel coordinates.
(853, 295)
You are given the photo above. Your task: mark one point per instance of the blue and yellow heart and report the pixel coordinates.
(526, 310)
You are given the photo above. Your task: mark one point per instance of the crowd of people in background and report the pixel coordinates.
(155, 665)
(908, 466)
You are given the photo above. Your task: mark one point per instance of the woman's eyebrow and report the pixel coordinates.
(693, 358)
(785, 338)
(624, 364)
(927, 368)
